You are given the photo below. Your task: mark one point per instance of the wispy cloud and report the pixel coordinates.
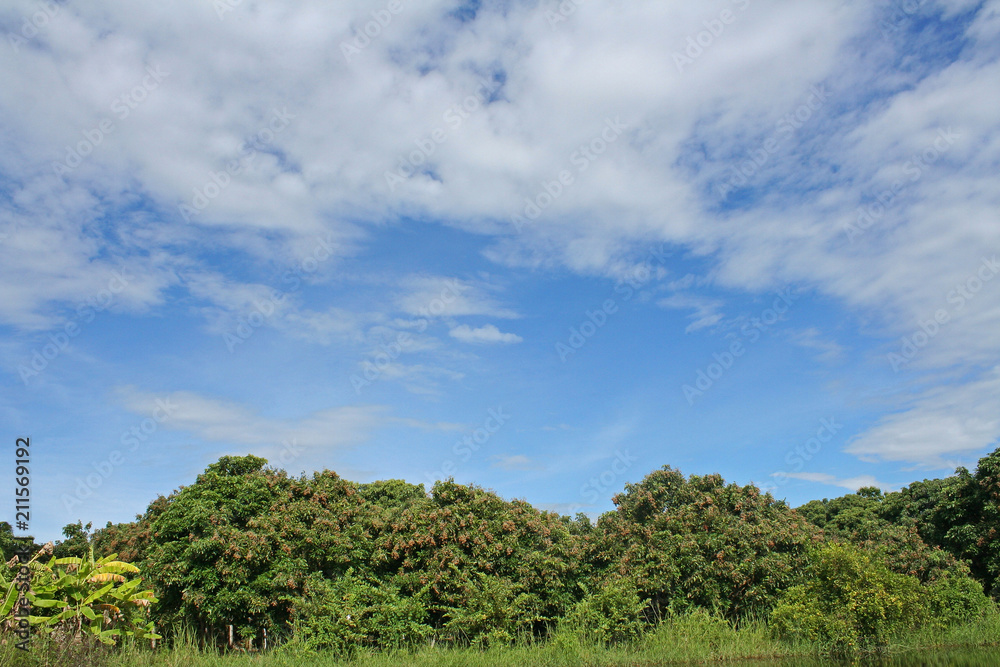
(430, 296)
(221, 421)
(440, 247)
(811, 339)
(850, 483)
(706, 311)
(516, 462)
(484, 334)
(941, 422)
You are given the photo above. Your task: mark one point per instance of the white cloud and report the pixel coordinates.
(811, 339)
(485, 334)
(850, 483)
(433, 296)
(949, 421)
(350, 122)
(227, 422)
(335, 324)
(559, 427)
(422, 379)
(706, 311)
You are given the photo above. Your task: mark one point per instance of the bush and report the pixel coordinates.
(610, 615)
(953, 600)
(353, 612)
(495, 611)
(851, 602)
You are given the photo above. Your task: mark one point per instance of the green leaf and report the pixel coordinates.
(98, 593)
(127, 587)
(9, 601)
(117, 567)
(46, 603)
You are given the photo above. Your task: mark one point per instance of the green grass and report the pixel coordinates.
(984, 632)
(694, 638)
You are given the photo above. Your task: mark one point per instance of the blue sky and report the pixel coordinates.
(544, 248)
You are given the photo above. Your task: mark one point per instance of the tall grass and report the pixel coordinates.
(984, 631)
(695, 637)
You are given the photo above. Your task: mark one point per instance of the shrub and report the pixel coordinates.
(851, 602)
(353, 612)
(496, 610)
(612, 614)
(953, 600)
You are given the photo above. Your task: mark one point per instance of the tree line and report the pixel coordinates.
(332, 564)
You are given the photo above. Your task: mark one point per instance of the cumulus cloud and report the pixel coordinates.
(880, 193)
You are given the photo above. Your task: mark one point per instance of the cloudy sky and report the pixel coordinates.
(543, 247)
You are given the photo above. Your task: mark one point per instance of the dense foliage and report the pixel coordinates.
(73, 597)
(322, 563)
(928, 528)
(851, 600)
(699, 543)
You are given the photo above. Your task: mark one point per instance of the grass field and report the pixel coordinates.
(682, 640)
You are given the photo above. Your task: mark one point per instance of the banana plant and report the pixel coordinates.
(84, 595)
(9, 586)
